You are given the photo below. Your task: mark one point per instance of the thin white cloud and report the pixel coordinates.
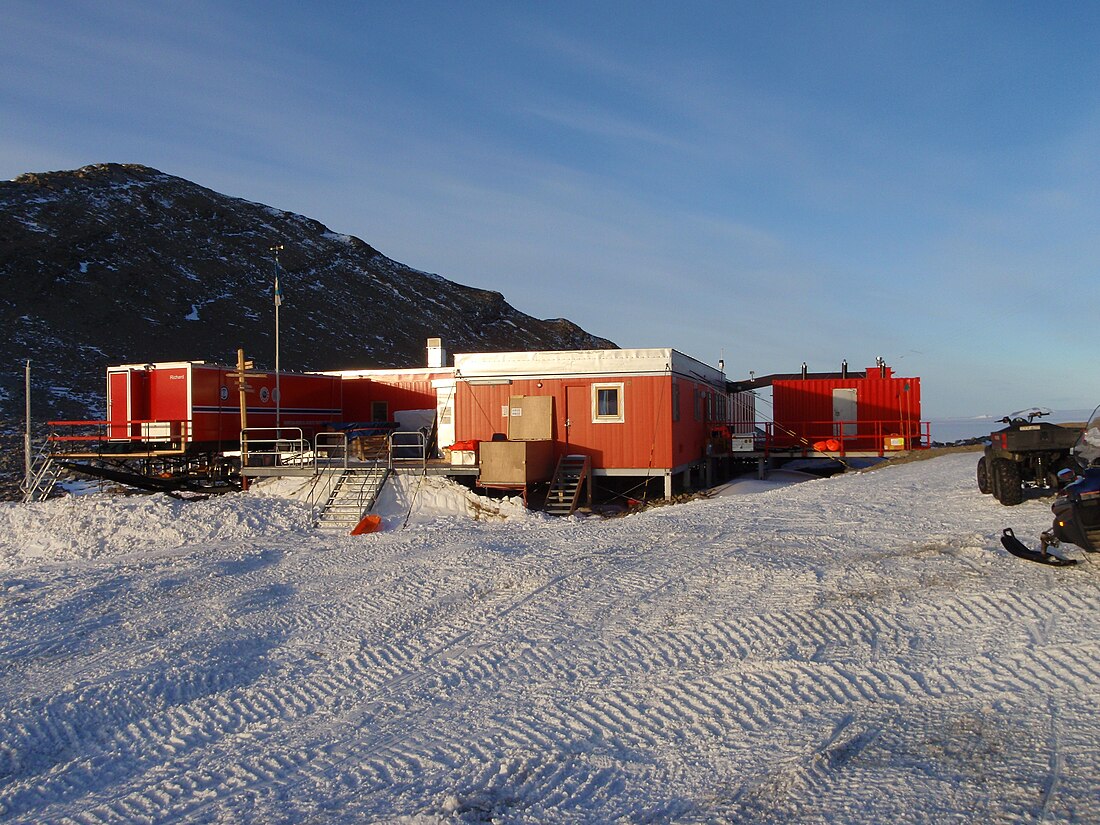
(605, 125)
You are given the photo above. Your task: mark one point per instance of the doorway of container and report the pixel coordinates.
(845, 412)
(127, 402)
(578, 417)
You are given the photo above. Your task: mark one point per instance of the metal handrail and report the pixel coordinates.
(326, 443)
(412, 441)
(137, 429)
(333, 446)
(846, 436)
(43, 474)
(269, 447)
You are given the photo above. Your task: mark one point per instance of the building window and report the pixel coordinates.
(607, 403)
(379, 411)
(675, 400)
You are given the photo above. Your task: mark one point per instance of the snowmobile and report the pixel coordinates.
(1076, 509)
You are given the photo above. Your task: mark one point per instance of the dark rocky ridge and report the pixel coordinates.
(115, 263)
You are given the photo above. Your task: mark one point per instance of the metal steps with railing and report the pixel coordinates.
(353, 496)
(45, 473)
(351, 490)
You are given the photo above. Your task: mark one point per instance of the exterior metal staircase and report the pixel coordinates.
(353, 496)
(45, 473)
(353, 490)
(565, 488)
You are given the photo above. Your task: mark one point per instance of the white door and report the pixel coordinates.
(445, 411)
(845, 412)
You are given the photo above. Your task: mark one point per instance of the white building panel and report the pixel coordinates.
(575, 363)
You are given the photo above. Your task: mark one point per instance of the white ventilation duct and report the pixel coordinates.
(437, 356)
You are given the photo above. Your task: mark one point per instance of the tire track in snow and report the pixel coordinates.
(158, 741)
(436, 697)
(380, 756)
(165, 743)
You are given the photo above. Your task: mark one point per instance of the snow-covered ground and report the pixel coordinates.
(857, 649)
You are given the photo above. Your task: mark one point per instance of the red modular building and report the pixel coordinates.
(634, 412)
(870, 412)
(377, 395)
(642, 413)
(198, 404)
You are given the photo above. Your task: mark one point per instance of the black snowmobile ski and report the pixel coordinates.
(1017, 548)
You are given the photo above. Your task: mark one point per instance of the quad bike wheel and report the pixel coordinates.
(984, 484)
(1007, 483)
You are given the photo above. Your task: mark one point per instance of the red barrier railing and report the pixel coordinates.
(159, 434)
(843, 437)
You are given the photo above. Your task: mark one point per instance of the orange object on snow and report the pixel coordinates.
(369, 524)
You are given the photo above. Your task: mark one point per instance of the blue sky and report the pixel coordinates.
(768, 183)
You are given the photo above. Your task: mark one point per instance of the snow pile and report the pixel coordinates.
(412, 499)
(426, 499)
(854, 649)
(100, 525)
(94, 526)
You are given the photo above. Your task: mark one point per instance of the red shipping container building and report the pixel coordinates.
(872, 412)
(634, 412)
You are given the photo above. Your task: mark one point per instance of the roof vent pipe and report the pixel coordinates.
(881, 367)
(844, 368)
(803, 370)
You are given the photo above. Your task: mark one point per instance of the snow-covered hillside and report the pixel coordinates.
(116, 263)
(857, 649)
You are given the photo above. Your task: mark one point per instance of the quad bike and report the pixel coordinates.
(1076, 509)
(1025, 454)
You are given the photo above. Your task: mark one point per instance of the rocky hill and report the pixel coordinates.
(115, 264)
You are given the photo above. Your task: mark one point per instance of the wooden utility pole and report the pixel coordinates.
(241, 376)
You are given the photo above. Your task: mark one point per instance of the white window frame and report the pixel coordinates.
(620, 417)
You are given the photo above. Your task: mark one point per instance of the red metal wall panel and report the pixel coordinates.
(803, 409)
(411, 394)
(309, 402)
(207, 397)
(215, 405)
(167, 394)
(355, 403)
(643, 439)
(692, 407)
(361, 393)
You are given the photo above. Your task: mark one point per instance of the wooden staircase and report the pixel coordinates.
(565, 488)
